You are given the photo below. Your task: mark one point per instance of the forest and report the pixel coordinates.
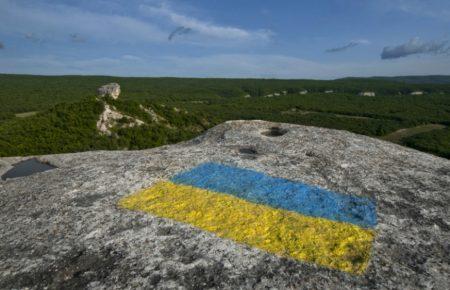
(61, 112)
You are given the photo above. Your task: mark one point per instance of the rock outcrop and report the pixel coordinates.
(112, 90)
(64, 229)
(110, 117)
(153, 115)
(367, 94)
(107, 119)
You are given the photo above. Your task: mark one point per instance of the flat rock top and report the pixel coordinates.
(112, 89)
(63, 229)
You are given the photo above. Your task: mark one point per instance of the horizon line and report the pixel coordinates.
(226, 77)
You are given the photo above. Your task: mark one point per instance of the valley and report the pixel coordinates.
(399, 135)
(42, 115)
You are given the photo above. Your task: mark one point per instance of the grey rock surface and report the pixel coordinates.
(62, 228)
(112, 89)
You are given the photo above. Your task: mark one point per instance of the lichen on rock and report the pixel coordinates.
(64, 229)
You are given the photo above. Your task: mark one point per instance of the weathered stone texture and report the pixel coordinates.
(112, 90)
(62, 228)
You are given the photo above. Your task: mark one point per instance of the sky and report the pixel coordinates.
(321, 39)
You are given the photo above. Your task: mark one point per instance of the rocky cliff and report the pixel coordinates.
(112, 90)
(64, 228)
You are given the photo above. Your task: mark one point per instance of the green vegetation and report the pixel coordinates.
(419, 79)
(435, 142)
(401, 134)
(66, 121)
(64, 128)
(25, 93)
(72, 128)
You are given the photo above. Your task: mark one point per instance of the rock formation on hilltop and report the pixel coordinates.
(110, 117)
(112, 90)
(63, 228)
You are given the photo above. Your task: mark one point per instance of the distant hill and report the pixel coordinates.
(435, 79)
(56, 114)
(98, 124)
(28, 93)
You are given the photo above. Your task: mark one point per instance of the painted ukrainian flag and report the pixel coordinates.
(277, 215)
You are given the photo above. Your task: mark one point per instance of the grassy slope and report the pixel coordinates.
(436, 142)
(401, 134)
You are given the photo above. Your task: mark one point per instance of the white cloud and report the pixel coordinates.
(203, 27)
(42, 21)
(55, 22)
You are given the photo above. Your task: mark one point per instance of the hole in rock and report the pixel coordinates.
(27, 167)
(248, 150)
(274, 132)
(248, 153)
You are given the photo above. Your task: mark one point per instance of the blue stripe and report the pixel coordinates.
(281, 193)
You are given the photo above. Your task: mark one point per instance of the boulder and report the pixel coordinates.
(65, 228)
(367, 94)
(112, 90)
(303, 92)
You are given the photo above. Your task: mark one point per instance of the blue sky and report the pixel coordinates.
(226, 38)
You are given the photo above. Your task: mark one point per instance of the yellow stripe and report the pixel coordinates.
(328, 243)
